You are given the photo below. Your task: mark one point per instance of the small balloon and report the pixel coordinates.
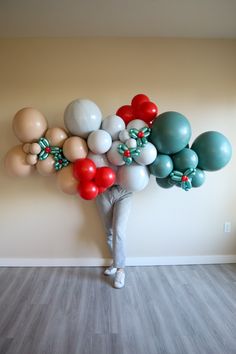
(170, 133)
(105, 177)
(84, 169)
(131, 143)
(113, 124)
(148, 154)
(136, 124)
(75, 148)
(87, 190)
(126, 113)
(185, 159)
(66, 181)
(162, 166)
(100, 160)
(31, 159)
(164, 183)
(56, 136)
(114, 156)
(199, 178)
(147, 111)
(46, 167)
(124, 135)
(29, 125)
(26, 148)
(213, 149)
(81, 117)
(15, 163)
(34, 148)
(99, 141)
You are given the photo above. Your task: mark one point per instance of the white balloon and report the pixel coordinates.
(81, 117)
(124, 135)
(113, 125)
(148, 154)
(134, 177)
(131, 143)
(136, 124)
(114, 156)
(99, 160)
(99, 141)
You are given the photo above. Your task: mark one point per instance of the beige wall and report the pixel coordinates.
(194, 77)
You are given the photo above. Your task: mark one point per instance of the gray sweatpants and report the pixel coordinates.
(114, 207)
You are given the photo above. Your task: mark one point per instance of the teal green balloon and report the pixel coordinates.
(164, 183)
(199, 178)
(171, 132)
(185, 159)
(162, 166)
(213, 149)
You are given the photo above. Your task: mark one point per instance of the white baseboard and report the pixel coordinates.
(131, 261)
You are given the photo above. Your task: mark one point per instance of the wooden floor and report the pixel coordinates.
(164, 309)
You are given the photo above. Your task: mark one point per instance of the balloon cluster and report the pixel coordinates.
(92, 154)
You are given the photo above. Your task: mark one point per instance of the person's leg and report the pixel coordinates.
(121, 213)
(105, 209)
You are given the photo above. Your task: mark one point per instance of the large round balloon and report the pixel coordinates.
(126, 112)
(148, 154)
(99, 141)
(170, 133)
(186, 158)
(75, 148)
(66, 181)
(162, 166)
(81, 117)
(134, 177)
(164, 183)
(213, 149)
(114, 156)
(100, 160)
(199, 178)
(56, 136)
(113, 124)
(15, 162)
(29, 125)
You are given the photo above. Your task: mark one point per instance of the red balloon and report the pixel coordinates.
(126, 113)
(147, 111)
(101, 190)
(105, 177)
(84, 169)
(138, 99)
(87, 190)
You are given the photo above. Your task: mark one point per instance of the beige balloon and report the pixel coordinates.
(29, 125)
(35, 149)
(56, 136)
(46, 167)
(75, 148)
(26, 148)
(66, 181)
(31, 159)
(15, 162)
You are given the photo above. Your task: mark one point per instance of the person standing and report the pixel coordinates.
(114, 207)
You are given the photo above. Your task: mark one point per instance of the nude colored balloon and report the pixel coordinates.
(75, 148)
(34, 148)
(29, 125)
(46, 167)
(15, 162)
(31, 159)
(26, 148)
(56, 136)
(66, 181)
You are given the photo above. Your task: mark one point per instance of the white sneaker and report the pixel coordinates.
(110, 270)
(119, 280)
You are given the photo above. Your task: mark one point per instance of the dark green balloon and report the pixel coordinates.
(164, 182)
(171, 132)
(199, 178)
(162, 166)
(185, 159)
(213, 149)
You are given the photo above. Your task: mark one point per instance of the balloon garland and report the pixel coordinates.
(124, 148)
